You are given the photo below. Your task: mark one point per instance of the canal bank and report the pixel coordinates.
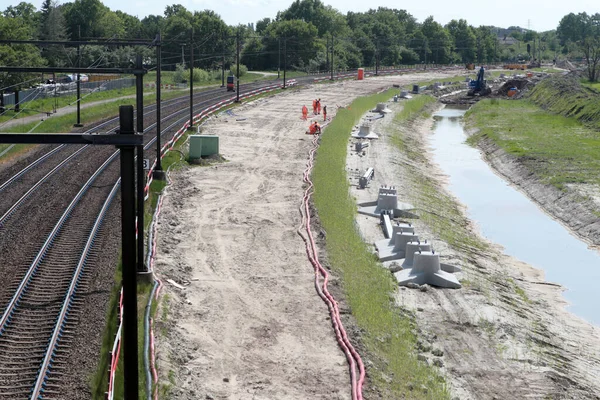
(506, 332)
(508, 217)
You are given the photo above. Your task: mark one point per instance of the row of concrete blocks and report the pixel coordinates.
(421, 263)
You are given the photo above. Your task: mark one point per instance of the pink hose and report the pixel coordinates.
(352, 355)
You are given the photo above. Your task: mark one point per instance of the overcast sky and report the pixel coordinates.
(539, 15)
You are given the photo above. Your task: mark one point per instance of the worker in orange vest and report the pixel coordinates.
(315, 106)
(319, 106)
(304, 113)
(315, 128)
(324, 113)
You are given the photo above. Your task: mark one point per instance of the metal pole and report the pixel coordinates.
(17, 101)
(327, 52)
(130, 344)
(284, 59)
(191, 80)
(78, 123)
(376, 57)
(141, 176)
(223, 62)
(278, 57)
(332, 63)
(158, 172)
(237, 99)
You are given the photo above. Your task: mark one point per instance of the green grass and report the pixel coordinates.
(558, 149)
(595, 86)
(387, 333)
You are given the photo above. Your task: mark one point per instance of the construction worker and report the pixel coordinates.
(304, 113)
(318, 106)
(315, 128)
(315, 107)
(324, 113)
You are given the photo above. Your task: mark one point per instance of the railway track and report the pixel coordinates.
(39, 309)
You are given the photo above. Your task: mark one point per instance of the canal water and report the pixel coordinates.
(507, 217)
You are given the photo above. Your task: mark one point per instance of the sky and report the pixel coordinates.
(539, 15)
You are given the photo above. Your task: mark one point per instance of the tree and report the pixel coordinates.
(298, 38)
(583, 30)
(52, 27)
(465, 41)
(18, 23)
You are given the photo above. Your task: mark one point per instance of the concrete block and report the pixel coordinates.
(427, 270)
(413, 248)
(364, 132)
(397, 250)
(382, 108)
(387, 200)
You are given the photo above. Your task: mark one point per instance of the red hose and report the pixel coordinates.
(352, 355)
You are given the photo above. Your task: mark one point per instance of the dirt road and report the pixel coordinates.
(249, 324)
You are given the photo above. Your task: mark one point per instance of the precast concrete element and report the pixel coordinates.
(416, 247)
(427, 270)
(360, 146)
(364, 180)
(394, 228)
(404, 94)
(386, 223)
(386, 201)
(382, 108)
(364, 132)
(398, 249)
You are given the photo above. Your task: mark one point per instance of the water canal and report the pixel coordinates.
(507, 217)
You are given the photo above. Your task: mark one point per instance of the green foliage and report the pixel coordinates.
(583, 31)
(243, 70)
(387, 332)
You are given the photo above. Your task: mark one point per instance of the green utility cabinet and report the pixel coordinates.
(203, 146)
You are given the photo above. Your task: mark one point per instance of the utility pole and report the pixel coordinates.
(79, 124)
(237, 98)
(284, 59)
(191, 80)
(376, 57)
(279, 56)
(223, 61)
(130, 333)
(332, 63)
(158, 172)
(141, 181)
(425, 52)
(327, 52)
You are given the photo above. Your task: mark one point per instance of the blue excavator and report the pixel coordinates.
(479, 87)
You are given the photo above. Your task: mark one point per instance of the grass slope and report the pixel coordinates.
(558, 149)
(387, 333)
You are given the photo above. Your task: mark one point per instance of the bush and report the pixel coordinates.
(201, 75)
(243, 70)
(179, 75)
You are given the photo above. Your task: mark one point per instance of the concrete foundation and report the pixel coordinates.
(382, 108)
(398, 249)
(387, 200)
(427, 270)
(364, 132)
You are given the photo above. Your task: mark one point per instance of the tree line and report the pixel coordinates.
(304, 36)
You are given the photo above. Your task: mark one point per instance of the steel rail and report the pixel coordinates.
(44, 370)
(14, 302)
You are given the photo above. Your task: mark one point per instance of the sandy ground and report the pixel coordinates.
(248, 323)
(495, 345)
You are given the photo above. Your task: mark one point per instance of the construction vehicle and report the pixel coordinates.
(479, 87)
(231, 83)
